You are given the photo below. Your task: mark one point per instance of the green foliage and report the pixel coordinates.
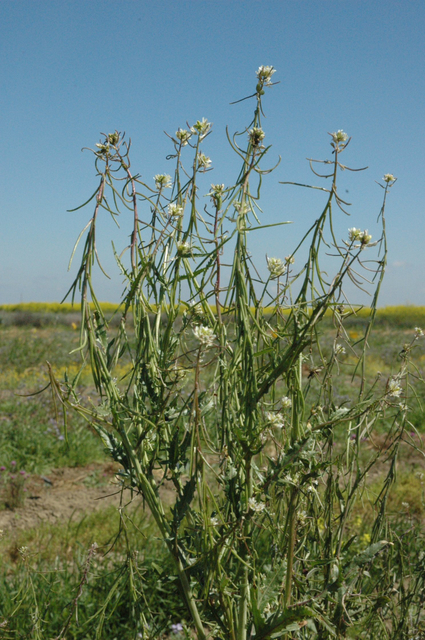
(235, 402)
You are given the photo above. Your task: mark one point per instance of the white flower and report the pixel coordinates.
(275, 420)
(365, 237)
(339, 412)
(184, 249)
(201, 128)
(339, 136)
(175, 210)
(418, 332)
(104, 148)
(339, 349)
(256, 506)
(394, 388)
(205, 335)
(216, 194)
(203, 161)
(362, 236)
(276, 266)
(214, 521)
(162, 181)
(256, 135)
(286, 402)
(388, 177)
(354, 234)
(216, 190)
(289, 259)
(183, 135)
(264, 74)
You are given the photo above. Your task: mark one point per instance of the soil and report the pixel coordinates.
(68, 493)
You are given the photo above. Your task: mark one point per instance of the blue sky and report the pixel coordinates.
(72, 69)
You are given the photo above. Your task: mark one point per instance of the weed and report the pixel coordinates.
(12, 485)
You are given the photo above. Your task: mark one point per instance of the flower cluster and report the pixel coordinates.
(176, 628)
(255, 136)
(339, 349)
(286, 402)
(253, 505)
(183, 136)
(201, 128)
(203, 161)
(275, 420)
(205, 335)
(264, 74)
(364, 237)
(276, 266)
(184, 249)
(339, 136)
(175, 210)
(388, 177)
(394, 388)
(163, 181)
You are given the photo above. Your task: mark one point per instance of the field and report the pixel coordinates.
(59, 495)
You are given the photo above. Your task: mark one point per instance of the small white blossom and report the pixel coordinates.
(394, 388)
(275, 420)
(216, 190)
(339, 136)
(289, 259)
(418, 332)
(256, 506)
(302, 517)
(214, 521)
(103, 148)
(388, 177)
(256, 135)
(205, 335)
(364, 237)
(264, 74)
(354, 234)
(286, 402)
(201, 128)
(339, 349)
(339, 412)
(184, 249)
(163, 181)
(203, 161)
(183, 135)
(175, 210)
(276, 266)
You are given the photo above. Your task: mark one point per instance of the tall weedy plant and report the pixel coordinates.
(216, 381)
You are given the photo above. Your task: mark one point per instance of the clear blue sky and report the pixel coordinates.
(71, 69)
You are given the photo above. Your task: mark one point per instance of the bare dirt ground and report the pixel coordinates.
(66, 494)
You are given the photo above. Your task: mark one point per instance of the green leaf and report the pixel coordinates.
(367, 555)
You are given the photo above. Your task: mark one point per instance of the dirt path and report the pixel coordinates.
(64, 494)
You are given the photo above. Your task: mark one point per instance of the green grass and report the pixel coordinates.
(135, 572)
(31, 434)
